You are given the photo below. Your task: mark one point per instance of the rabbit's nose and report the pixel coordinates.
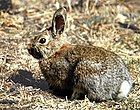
(33, 45)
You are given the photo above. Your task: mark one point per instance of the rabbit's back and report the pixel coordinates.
(92, 70)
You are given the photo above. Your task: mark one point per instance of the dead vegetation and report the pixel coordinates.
(114, 25)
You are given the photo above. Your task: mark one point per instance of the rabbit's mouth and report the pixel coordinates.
(35, 53)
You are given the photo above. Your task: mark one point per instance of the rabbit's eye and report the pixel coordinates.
(42, 40)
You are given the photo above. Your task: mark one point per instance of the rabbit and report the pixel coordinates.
(79, 70)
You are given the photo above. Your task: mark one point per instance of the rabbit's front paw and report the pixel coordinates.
(77, 94)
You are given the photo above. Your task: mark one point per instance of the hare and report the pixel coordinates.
(76, 69)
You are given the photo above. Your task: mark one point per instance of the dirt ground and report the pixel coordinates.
(114, 25)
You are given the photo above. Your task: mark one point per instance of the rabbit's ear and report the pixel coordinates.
(58, 22)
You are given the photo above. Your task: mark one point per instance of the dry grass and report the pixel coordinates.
(114, 25)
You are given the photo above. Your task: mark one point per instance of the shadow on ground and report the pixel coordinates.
(25, 78)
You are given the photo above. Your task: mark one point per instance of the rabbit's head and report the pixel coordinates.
(49, 41)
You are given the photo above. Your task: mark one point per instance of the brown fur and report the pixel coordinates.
(77, 69)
